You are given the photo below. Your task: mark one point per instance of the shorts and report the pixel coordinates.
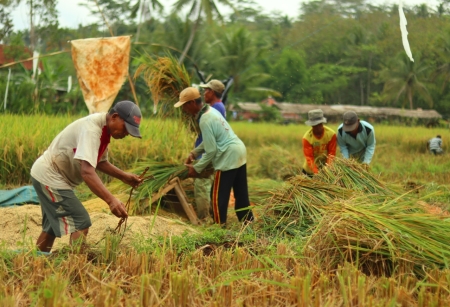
(62, 211)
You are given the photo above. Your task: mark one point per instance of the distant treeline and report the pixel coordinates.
(334, 52)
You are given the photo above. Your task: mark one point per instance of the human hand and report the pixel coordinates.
(191, 171)
(366, 166)
(118, 208)
(190, 159)
(132, 180)
(206, 173)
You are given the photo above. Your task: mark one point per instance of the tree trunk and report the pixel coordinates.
(410, 99)
(191, 37)
(368, 77)
(361, 89)
(138, 31)
(32, 39)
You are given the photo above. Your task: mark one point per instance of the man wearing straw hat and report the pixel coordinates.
(73, 157)
(202, 186)
(225, 151)
(319, 143)
(356, 138)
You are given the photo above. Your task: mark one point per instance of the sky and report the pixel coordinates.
(71, 13)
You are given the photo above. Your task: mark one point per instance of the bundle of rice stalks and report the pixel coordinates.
(277, 163)
(162, 173)
(259, 190)
(165, 77)
(300, 204)
(380, 237)
(352, 175)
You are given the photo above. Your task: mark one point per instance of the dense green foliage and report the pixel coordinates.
(334, 52)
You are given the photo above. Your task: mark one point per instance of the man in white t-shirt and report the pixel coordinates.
(72, 158)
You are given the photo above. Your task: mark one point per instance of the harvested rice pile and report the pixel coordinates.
(22, 225)
(348, 215)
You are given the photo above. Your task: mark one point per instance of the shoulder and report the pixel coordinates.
(219, 106)
(210, 116)
(367, 127)
(308, 134)
(366, 124)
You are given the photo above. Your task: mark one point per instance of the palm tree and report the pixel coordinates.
(238, 50)
(143, 8)
(402, 80)
(443, 60)
(40, 11)
(359, 52)
(208, 7)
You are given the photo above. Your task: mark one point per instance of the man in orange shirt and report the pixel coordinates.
(319, 143)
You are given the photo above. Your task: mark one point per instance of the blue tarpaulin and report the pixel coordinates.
(19, 196)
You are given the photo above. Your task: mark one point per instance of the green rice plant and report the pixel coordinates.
(277, 163)
(110, 248)
(52, 291)
(25, 138)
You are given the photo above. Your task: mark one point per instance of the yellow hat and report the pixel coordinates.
(188, 94)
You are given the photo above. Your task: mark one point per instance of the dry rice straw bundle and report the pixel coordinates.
(164, 77)
(304, 199)
(382, 237)
(352, 175)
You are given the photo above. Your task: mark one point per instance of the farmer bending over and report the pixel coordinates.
(319, 143)
(225, 151)
(73, 157)
(435, 145)
(356, 138)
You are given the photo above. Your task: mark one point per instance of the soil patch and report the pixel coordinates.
(22, 225)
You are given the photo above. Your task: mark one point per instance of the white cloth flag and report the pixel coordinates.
(35, 62)
(69, 84)
(403, 24)
(7, 88)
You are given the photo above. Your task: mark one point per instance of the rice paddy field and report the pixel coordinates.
(347, 237)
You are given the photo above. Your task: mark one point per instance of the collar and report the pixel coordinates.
(197, 117)
(203, 110)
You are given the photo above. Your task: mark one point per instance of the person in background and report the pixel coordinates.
(319, 143)
(435, 145)
(212, 95)
(73, 157)
(202, 186)
(356, 138)
(227, 153)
